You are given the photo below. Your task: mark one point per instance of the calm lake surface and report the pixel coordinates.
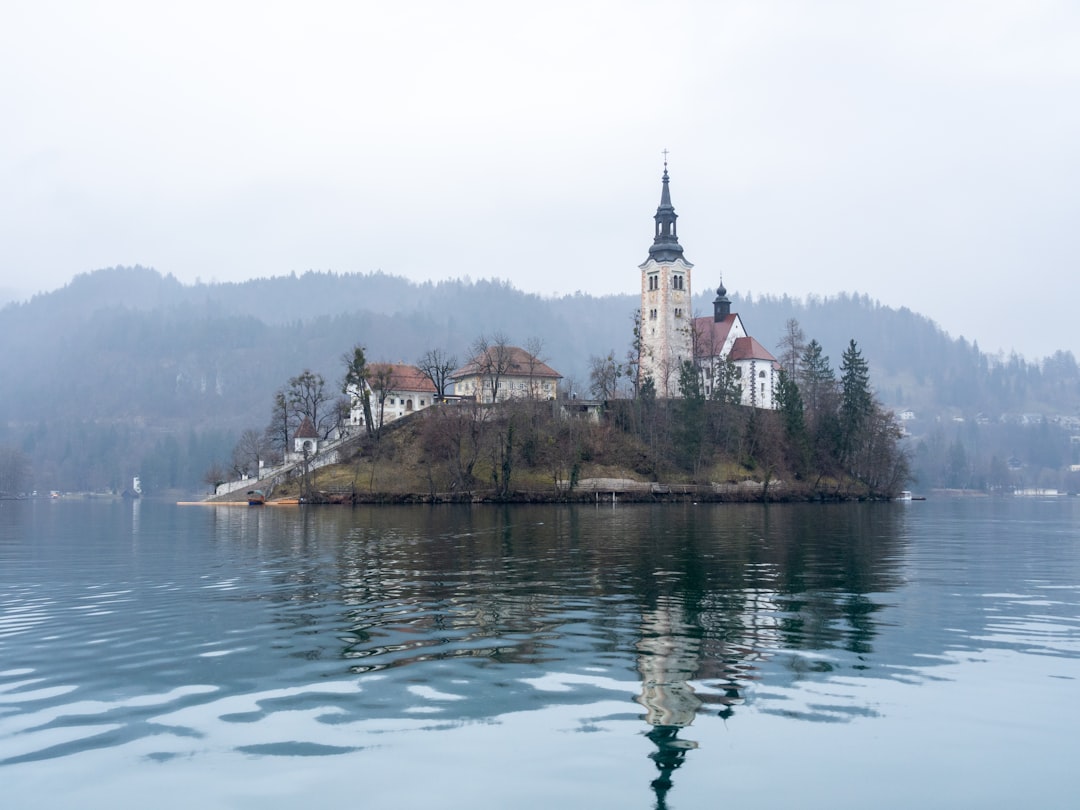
(859, 655)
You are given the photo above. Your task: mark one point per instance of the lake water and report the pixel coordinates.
(841, 656)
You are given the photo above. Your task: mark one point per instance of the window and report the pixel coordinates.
(678, 312)
(677, 283)
(762, 375)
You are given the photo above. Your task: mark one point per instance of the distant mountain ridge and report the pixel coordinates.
(149, 357)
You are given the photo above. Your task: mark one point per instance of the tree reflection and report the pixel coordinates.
(700, 603)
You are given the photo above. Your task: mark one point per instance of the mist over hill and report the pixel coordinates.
(127, 371)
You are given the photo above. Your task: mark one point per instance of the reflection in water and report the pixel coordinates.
(668, 658)
(301, 632)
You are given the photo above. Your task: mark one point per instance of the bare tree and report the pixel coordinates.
(215, 475)
(308, 398)
(437, 366)
(707, 350)
(534, 348)
(455, 436)
(251, 449)
(604, 376)
(502, 448)
(381, 381)
(633, 354)
(280, 427)
(792, 345)
(492, 359)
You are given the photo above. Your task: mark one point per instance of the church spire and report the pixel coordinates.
(722, 304)
(665, 246)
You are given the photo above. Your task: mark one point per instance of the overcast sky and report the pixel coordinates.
(924, 153)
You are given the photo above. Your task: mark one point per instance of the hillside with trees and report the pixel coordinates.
(129, 372)
(524, 446)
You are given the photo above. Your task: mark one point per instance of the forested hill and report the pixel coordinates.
(125, 366)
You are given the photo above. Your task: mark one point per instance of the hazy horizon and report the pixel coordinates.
(921, 153)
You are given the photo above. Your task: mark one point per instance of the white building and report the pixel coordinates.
(403, 390)
(306, 442)
(512, 372)
(723, 338)
(670, 335)
(666, 339)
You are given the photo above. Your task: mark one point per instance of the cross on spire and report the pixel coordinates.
(665, 159)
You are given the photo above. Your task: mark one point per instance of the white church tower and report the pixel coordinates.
(666, 322)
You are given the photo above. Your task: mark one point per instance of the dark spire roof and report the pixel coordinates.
(722, 304)
(665, 246)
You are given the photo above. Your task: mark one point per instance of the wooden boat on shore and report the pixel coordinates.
(256, 497)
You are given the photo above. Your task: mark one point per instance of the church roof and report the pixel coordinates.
(306, 430)
(747, 348)
(665, 246)
(404, 377)
(710, 335)
(519, 364)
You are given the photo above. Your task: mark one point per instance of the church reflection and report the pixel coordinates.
(674, 650)
(668, 658)
(482, 605)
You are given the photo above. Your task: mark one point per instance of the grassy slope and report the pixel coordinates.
(398, 469)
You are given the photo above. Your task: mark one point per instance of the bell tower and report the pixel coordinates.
(666, 320)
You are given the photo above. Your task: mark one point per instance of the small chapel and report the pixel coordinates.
(670, 334)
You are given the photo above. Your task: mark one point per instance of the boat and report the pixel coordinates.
(256, 497)
(905, 495)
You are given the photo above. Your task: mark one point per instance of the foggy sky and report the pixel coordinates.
(924, 153)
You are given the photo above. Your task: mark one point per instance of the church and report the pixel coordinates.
(670, 334)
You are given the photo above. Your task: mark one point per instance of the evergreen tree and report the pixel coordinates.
(355, 382)
(726, 386)
(817, 385)
(690, 429)
(789, 403)
(816, 380)
(856, 400)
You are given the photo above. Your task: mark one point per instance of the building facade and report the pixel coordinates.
(670, 335)
(665, 329)
(722, 341)
(402, 389)
(505, 372)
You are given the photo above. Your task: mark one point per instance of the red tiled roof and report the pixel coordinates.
(404, 377)
(520, 364)
(710, 335)
(747, 348)
(306, 430)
